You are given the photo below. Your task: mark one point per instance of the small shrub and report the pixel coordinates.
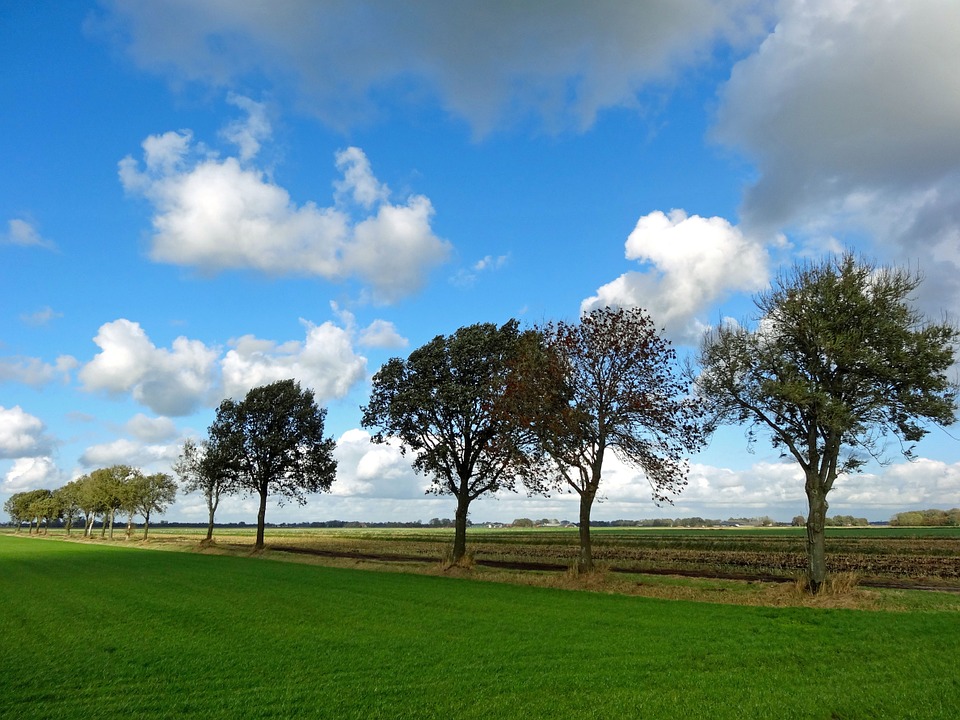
(836, 584)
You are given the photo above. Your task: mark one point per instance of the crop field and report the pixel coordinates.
(90, 629)
(880, 557)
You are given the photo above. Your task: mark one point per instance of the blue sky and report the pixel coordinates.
(201, 197)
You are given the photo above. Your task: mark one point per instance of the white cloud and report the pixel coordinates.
(359, 182)
(150, 429)
(849, 110)
(248, 134)
(382, 334)
(489, 262)
(222, 214)
(41, 317)
(32, 473)
(122, 451)
(21, 434)
(190, 375)
(23, 233)
(36, 372)
(693, 262)
(324, 361)
(378, 471)
(490, 62)
(170, 382)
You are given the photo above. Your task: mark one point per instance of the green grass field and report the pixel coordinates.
(91, 630)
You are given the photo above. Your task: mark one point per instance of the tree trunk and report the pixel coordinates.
(88, 525)
(146, 524)
(261, 519)
(816, 538)
(129, 525)
(586, 545)
(460, 531)
(210, 525)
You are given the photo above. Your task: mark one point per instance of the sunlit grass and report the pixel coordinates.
(90, 630)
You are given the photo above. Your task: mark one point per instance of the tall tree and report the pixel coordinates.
(271, 443)
(609, 382)
(154, 494)
(197, 473)
(442, 404)
(16, 506)
(109, 486)
(90, 501)
(839, 360)
(68, 498)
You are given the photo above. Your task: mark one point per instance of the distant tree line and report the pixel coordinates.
(927, 518)
(103, 493)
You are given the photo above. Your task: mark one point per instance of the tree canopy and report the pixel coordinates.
(442, 403)
(272, 443)
(839, 361)
(198, 473)
(609, 382)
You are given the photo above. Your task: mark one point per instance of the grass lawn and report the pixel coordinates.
(92, 630)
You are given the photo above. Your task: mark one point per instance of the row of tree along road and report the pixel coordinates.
(103, 493)
(837, 362)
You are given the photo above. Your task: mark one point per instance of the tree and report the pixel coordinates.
(442, 404)
(89, 501)
(129, 494)
(153, 494)
(838, 362)
(36, 507)
(68, 498)
(271, 442)
(108, 486)
(16, 507)
(198, 474)
(608, 383)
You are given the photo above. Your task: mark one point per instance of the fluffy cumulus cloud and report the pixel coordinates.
(371, 470)
(849, 110)
(488, 62)
(151, 429)
(31, 473)
(224, 213)
(150, 457)
(916, 485)
(175, 381)
(689, 263)
(324, 361)
(22, 434)
(382, 334)
(189, 375)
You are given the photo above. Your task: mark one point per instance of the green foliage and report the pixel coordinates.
(198, 473)
(272, 443)
(927, 518)
(839, 360)
(443, 403)
(268, 639)
(153, 494)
